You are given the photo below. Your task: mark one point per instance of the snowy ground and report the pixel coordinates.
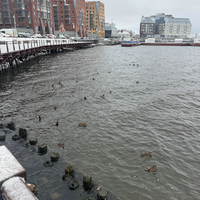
(25, 43)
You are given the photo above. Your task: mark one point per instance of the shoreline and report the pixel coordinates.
(48, 179)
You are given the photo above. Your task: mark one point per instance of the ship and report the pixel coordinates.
(129, 43)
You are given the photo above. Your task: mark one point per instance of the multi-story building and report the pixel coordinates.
(165, 26)
(70, 15)
(95, 18)
(147, 26)
(110, 31)
(35, 14)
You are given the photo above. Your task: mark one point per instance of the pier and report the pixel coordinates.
(14, 51)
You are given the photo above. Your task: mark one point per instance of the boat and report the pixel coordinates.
(129, 43)
(166, 43)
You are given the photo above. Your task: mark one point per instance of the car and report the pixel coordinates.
(36, 36)
(50, 36)
(4, 35)
(23, 35)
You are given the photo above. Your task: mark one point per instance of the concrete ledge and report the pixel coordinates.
(9, 166)
(15, 189)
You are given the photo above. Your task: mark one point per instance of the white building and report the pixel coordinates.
(124, 34)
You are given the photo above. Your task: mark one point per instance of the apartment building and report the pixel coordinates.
(165, 26)
(70, 15)
(34, 14)
(95, 18)
(147, 26)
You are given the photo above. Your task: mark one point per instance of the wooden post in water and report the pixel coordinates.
(13, 45)
(7, 47)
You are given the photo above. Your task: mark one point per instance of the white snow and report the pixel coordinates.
(9, 166)
(15, 189)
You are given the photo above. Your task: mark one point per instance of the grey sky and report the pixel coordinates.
(127, 13)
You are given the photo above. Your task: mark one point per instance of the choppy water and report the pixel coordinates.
(160, 114)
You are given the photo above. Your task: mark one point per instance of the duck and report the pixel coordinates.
(82, 124)
(137, 82)
(110, 92)
(57, 123)
(39, 117)
(102, 96)
(61, 145)
(85, 98)
(151, 168)
(146, 154)
(55, 107)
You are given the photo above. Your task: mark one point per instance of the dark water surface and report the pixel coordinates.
(160, 114)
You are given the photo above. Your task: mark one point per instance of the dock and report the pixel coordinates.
(14, 51)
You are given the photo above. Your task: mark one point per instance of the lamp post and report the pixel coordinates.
(14, 18)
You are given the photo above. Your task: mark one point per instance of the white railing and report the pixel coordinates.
(16, 44)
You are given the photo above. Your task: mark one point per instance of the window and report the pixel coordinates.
(34, 13)
(35, 20)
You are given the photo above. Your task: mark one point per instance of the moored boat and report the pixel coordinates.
(166, 44)
(129, 43)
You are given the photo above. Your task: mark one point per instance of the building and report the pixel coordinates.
(165, 26)
(26, 14)
(95, 18)
(147, 26)
(70, 15)
(110, 31)
(124, 34)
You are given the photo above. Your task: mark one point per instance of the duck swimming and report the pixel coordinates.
(57, 123)
(39, 117)
(146, 154)
(102, 96)
(151, 168)
(82, 124)
(61, 145)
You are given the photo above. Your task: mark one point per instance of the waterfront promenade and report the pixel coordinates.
(14, 51)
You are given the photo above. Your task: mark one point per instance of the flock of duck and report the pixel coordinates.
(149, 154)
(149, 168)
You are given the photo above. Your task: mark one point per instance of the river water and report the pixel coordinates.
(159, 114)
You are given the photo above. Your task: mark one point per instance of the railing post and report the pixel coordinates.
(23, 45)
(7, 47)
(28, 44)
(31, 44)
(18, 45)
(0, 50)
(13, 45)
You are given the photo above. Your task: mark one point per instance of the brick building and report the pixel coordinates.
(35, 14)
(70, 15)
(95, 18)
(147, 26)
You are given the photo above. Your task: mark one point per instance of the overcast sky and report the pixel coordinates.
(126, 14)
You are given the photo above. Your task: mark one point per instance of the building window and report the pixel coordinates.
(0, 19)
(34, 13)
(35, 20)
